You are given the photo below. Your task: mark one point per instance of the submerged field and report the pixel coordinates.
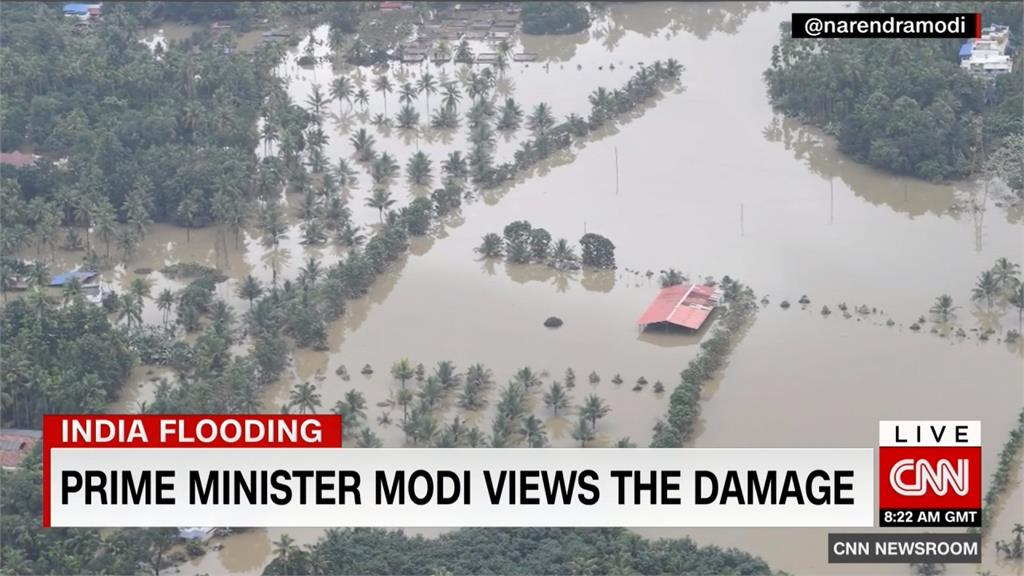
(707, 180)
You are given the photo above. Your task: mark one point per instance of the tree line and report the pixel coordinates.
(522, 243)
(506, 551)
(740, 306)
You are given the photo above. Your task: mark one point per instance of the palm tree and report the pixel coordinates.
(403, 371)
(455, 165)
(380, 200)
(1017, 300)
(407, 93)
(943, 307)
(1006, 273)
(593, 409)
(316, 104)
(671, 277)
(431, 392)
(105, 222)
(341, 90)
(447, 375)
(187, 211)
(305, 397)
(582, 431)
(533, 431)
(986, 289)
(362, 97)
(382, 84)
(556, 398)
(362, 141)
(404, 399)
(491, 246)
(284, 549)
(418, 169)
(526, 378)
(427, 86)
(452, 96)
(541, 120)
(407, 117)
(165, 302)
(563, 256)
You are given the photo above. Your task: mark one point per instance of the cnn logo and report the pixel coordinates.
(924, 477)
(929, 473)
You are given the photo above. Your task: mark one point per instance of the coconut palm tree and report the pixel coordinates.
(593, 409)
(403, 371)
(534, 433)
(407, 117)
(427, 86)
(582, 431)
(455, 165)
(362, 141)
(511, 116)
(418, 169)
(671, 277)
(165, 302)
(431, 392)
(563, 256)
(380, 200)
(556, 398)
(316, 103)
(1016, 300)
(342, 90)
(526, 378)
(362, 97)
(304, 397)
(491, 246)
(447, 375)
(1006, 274)
(452, 96)
(541, 120)
(986, 289)
(382, 84)
(407, 94)
(943, 307)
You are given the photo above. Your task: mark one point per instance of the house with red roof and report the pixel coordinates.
(684, 305)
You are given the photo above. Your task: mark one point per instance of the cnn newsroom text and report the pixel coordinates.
(292, 470)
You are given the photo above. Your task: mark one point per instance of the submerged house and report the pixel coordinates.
(684, 305)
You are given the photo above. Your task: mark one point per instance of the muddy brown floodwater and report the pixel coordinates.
(710, 182)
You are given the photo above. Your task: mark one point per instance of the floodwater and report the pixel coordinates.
(709, 181)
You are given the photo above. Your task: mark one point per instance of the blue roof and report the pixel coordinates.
(966, 49)
(77, 8)
(81, 275)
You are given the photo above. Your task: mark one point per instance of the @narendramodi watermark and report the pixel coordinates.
(875, 25)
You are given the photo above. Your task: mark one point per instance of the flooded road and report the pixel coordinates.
(711, 182)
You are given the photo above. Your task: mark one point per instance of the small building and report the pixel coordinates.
(487, 57)
(684, 305)
(525, 57)
(988, 54)
(15, 445)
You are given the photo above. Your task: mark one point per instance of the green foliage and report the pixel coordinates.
(554, 17)
(902, 105)
(684, 408)
(598, 251)
(67, 359)
(511, 551)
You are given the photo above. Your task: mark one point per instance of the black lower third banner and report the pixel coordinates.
(888, 25)
(904, 548)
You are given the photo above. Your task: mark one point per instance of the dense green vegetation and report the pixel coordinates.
(684, 407)
(58, 359)
(554, 17)
(507, 551)
(906, 105)
(142, 135)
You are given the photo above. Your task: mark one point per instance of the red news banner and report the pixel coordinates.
(183, 431)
